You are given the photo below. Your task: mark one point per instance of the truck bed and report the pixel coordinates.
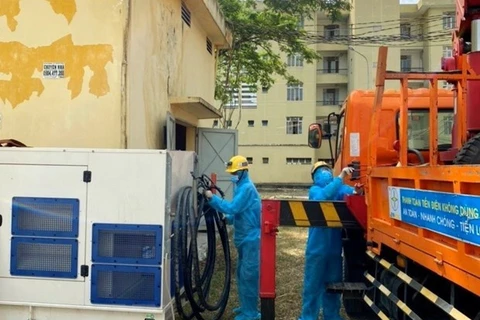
(435, 223)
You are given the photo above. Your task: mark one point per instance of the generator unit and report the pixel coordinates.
(86, 234)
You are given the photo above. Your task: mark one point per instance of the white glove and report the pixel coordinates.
(208, 194)
(346, 171)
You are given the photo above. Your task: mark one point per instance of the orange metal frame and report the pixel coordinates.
(455, 260)
(358, 109)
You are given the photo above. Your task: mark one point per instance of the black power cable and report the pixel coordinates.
(197, 283)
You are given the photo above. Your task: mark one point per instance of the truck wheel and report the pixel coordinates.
(354, 308)
(470, 152)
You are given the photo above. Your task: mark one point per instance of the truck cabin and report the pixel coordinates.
(350, 143)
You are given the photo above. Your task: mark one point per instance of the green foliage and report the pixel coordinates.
(259, 36)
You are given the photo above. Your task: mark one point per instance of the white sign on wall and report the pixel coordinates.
(53, 70)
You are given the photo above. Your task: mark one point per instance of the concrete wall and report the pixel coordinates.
(364, 16)
(123, 61)
(167, 58)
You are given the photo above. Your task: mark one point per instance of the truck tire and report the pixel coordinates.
(355, 309)
(470, 152)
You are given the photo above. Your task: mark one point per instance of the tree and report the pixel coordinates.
(253, 60)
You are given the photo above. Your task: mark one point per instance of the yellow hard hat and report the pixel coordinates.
(318, 165)
(237, 163)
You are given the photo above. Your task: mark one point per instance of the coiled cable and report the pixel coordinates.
(197, 282)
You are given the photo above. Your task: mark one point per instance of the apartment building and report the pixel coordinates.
(273, 124)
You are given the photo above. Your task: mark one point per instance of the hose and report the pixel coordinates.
(197, 284)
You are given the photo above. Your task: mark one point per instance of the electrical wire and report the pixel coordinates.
(186, 262)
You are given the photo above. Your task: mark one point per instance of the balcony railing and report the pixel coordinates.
(410, 69)
(337, 102)
(342, 71)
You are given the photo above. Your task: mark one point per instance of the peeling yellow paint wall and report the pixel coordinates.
(83, 109)
(123, 60)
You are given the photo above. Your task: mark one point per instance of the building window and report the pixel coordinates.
(229, 123)
(328, 128)
(294, 125)
(295, 92)
(447, 124)
(209, 46)
(301, 161)
(295, 60)
(265, 160)
(186, 15)
(250, 160)
(329, 161)
(264, 123)
(446, 85)
(215, 123)
(448, 20)
(331, 31)
(248, 98)
(251, 123)
(447, 52)
(331, 97)
(405, 63)
(405, 30)
(331, 65)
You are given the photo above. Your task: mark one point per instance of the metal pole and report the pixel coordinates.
(270, 222)
(366, 61)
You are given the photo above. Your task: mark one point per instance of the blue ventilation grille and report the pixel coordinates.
(43, 257)
(126, 285)
(127, 244)
(45, 217)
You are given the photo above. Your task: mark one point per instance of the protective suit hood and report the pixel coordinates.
(322, 177)
(243, 177)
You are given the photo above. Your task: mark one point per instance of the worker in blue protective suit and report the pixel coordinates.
(323, 254)
(244, 212)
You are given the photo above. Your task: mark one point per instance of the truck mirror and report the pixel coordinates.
(315, 135)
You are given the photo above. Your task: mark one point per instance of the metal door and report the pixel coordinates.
(214, 148)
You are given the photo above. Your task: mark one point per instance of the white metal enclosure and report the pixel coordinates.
(86, 233)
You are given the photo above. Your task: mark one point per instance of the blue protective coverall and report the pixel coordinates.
(244, 212)
(323, 254)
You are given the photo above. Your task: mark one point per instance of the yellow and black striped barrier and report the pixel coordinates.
(399, 303)
(439, 302)
(374, 308)
(333, 214)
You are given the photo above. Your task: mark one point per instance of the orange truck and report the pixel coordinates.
(418, 156)
(409, 265)
(412, 241)
(411, 259)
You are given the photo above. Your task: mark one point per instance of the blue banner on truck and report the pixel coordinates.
(454, 215)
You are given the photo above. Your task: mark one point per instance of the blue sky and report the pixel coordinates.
(408, 1)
